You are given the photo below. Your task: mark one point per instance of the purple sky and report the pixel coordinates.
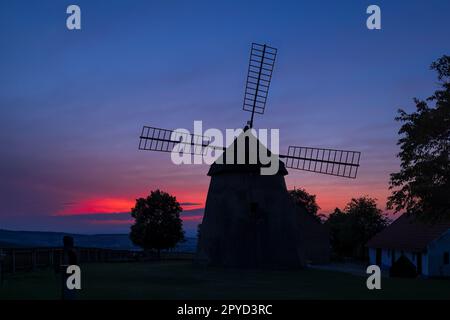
(73, 102)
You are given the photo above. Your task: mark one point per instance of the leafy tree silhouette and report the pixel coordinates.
(422, 186)
(306, 200)
(351, 228)
(157, 222)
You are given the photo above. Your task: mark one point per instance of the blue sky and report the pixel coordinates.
(73, 102)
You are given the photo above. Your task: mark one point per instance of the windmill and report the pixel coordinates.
(249, 220)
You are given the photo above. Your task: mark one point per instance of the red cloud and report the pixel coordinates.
(98, 206)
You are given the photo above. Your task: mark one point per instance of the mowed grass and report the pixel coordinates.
(183, 280)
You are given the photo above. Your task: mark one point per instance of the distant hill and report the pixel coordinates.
(9, 239)
(9, 245)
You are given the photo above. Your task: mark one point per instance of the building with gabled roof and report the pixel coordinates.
(426, 245)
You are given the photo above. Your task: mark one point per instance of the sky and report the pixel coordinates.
(73, 103)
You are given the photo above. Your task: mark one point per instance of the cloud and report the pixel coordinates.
(97, 206)
(187, 204)
(192, 212)
(96, 216)
(111, 222)
(124, 218)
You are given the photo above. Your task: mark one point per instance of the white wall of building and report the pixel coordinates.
(436, 252)
(372, 256)
(389, 256)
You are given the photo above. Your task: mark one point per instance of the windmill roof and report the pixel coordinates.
(409, 233)
(221, 166)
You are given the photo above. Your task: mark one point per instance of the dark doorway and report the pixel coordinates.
(254, 210)
(378, 257)
(419, 263)
(404, 268)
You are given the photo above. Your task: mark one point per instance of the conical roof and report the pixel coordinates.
(256, 157)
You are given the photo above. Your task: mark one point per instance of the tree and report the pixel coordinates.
(157, 222)
(305, 200)
(422, 186)
(340, 233)
(351, 228)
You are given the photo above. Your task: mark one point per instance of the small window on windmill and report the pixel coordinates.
(254, 210)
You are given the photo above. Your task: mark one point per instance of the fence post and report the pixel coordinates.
(13, 256)
(1, 266)
(33, 259)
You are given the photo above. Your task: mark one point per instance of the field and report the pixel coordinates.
(182, 280)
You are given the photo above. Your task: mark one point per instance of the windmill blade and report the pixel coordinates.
(164, 140)
(260, 68)
(341, 163)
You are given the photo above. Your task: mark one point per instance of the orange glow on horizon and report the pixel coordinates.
(97, 206)
(119, 205)
(192, 196)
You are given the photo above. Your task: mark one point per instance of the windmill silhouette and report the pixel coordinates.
(249, 219)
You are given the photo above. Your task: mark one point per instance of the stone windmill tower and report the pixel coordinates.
(250, 220)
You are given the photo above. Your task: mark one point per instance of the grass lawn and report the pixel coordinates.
(182, 280)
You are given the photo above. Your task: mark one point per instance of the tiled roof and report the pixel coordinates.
(409, 233)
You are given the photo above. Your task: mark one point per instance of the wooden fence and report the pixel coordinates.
(26, 259)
